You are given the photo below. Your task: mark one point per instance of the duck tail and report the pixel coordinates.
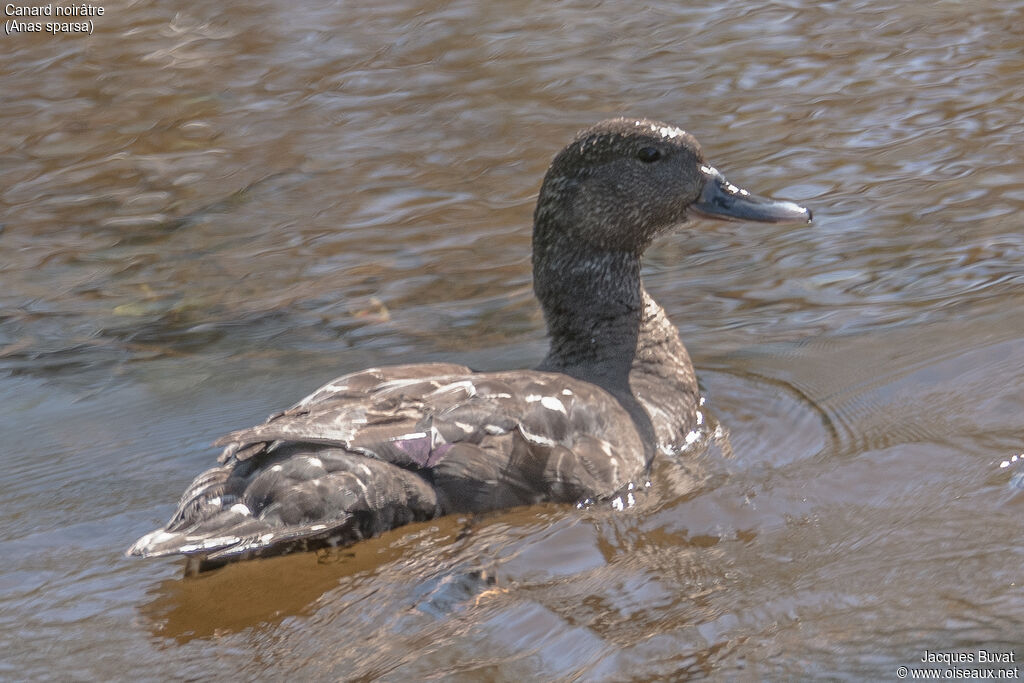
(293, 500)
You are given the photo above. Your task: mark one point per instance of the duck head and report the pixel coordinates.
(623, 182)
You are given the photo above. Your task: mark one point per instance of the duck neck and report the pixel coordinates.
(594, 308)
(593, 305)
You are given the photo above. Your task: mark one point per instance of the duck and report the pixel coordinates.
(374, 450)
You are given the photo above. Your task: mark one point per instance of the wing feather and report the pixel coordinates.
(375, 449)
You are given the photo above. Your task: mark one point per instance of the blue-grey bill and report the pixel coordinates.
(722, 200)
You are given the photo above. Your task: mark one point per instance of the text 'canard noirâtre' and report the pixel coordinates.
(51, 10)
(82, 11)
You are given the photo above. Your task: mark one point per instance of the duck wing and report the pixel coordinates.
(376, 449)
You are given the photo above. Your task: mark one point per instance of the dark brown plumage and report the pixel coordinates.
(382, 447)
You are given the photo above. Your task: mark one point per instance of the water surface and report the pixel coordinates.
(207, 212)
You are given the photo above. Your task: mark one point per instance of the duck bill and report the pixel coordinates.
(722, 200)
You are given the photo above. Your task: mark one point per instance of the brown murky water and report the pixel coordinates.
(207, 211)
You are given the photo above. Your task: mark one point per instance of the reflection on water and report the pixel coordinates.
(208, 211)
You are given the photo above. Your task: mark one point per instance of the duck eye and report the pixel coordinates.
(648, 154)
